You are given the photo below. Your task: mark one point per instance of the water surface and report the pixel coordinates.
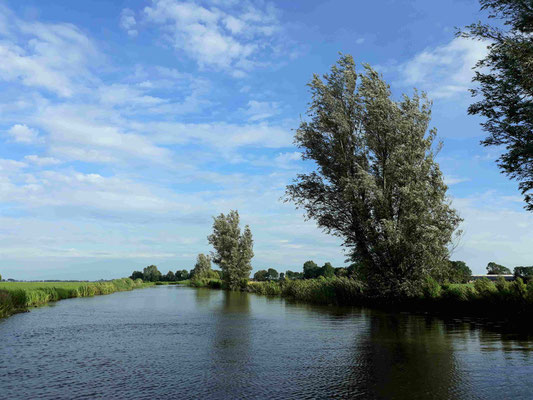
(178, 342)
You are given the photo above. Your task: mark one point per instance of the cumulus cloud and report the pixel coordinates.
(444, 71)
(23, 134)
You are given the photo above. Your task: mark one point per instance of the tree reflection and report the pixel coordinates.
(405, 356)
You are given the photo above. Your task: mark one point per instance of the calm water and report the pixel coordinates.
(177, 342)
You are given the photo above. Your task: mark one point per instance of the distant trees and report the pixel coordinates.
(169, 277)
(505, 78)
(376, 183)
(525, 273)
(266, 275)
(311, 270)
(327, 270)
(151, 274)
(137, 275)
(497, 269)
(294, 275)
(458, 272)
(233, 250)
(182, 275)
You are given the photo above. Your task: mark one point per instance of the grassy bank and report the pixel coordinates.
(511, 301)
(19, 296)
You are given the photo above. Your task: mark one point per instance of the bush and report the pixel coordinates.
(431, 289)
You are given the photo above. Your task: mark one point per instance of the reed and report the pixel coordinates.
(19, 296)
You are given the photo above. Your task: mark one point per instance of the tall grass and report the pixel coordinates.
(483, 298)
(19, 296)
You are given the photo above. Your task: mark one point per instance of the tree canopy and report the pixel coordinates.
(376, 183)
(233, 250)
(151, 274)
(505, 78)
(497, 269)
(202, 268)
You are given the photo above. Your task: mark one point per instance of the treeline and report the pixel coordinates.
(201, 270)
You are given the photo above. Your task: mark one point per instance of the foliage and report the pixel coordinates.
(169, 277)
(456, 272)
(311, 270)
(151, 274)
(294, 275)
(505, 78)
(327, 270)
(376, 184)
(272, 274)
(182, 275)
(202, 268)
(341, 272)
(497, 269)
(18, 296)
(261, 275)
(233, 250)
(526, 273)
(136, 275)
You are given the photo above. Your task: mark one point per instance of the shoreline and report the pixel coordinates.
(19, 297)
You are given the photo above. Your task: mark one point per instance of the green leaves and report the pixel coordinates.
(505, 78)
(233, 250)
(376, 182)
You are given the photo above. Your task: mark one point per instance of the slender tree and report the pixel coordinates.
(202, 268)
(376, 183)
(505, 91)
(233, 250)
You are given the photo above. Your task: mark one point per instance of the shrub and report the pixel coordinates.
(431, 289)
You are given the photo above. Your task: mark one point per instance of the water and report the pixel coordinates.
(177, 342)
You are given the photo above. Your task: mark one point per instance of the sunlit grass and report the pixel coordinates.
(19, 296)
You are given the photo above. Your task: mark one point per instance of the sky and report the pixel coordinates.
(125, 126)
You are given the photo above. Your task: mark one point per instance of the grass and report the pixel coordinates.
(19, 296)
(501, 300)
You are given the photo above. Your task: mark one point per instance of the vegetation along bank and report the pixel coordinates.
(20, 296)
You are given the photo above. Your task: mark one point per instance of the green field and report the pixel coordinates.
(19, 296)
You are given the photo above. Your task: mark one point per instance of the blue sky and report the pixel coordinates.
(126, 125)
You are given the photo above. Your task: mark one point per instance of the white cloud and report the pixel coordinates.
(224, 37)
(128, 22)
(55, 57)
(444, 71)
(259, 110)
(453, 180)
(42, 161)
(91, 134)
(23, 134)
(495, 229)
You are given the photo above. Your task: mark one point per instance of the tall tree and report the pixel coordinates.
(505, 78)
(376, 183)
(202, 268)
(233, 250)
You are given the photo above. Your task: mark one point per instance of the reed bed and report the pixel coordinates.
(20, 296)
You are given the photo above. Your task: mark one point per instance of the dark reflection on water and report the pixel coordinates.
(175, 342)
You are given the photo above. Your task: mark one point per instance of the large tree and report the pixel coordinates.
(376, 183)
(233, 249)
(505, 91)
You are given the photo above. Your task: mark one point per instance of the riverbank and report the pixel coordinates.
(18, 297)
(511, 302)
